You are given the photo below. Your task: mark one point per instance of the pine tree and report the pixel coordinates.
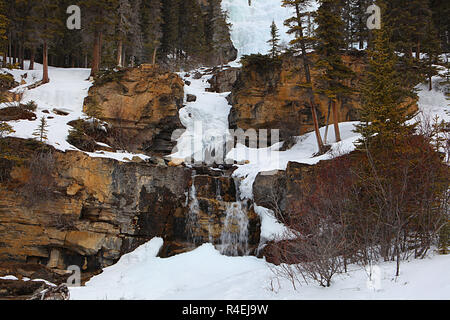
(45, 14)
(274, 40)
(5, 129)
(220, 30)
(4, 22)
(41, 131)
(358, 16)
(384, 113)
(334, 72)
(191, 31)
(441, 19)
(123, 26)
(170, 27)
(302, 43)
(151, 21)
(98, 19)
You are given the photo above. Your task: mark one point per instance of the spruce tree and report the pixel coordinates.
(274, 40)
(98, 19)
(334, 72)
(302, 43)
(220, 30)
(384, 114)
(4, 22)
(41, 131)
(151, 24)
(45, 14)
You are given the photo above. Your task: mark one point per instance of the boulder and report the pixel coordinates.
(142, 105)
(191, 98)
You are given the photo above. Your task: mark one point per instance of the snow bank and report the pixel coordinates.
(207, 275)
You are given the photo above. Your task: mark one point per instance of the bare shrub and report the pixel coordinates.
(389, 202)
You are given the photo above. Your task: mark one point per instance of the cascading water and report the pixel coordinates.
(192, 223)
(234, 237)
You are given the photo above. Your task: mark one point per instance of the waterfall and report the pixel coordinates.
(192, 223)
(234, 237)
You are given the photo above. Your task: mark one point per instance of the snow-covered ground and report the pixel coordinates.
(65, 92)
(207, 275)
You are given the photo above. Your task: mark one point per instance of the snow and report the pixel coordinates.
(9, 278)
(250, 29)
(205, 120)
(66, 92)
(302, 152)
(142, 275)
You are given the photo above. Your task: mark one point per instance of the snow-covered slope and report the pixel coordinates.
(206, 274)
(65, 92)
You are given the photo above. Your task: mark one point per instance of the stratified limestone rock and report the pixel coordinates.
(274, 96)
(143, 105)
(101, 209)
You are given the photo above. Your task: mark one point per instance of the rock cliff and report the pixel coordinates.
(100, 209)
(142, 105)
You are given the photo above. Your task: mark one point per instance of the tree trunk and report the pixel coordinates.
(418, 51)
(328, 121)
(119, 53)
(336, 121)
(15, 53)
(95, 54)
(33, 53)
(4, 62)
(45, 78)
(308, 80)
(21, 56)
(154, 56)
(430, 83)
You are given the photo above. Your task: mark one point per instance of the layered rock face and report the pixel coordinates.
(100, 209)
(143, 105)
(272, 97)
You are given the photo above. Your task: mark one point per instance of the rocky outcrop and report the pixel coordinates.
(270, 95)
(223, 80)
(279, 190)
(100, 209)
(142, 105)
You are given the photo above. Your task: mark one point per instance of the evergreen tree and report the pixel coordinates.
(302, 43)
(334, 72)
(151, 21)
(191, 30)
(41, 131)
(122, 27)
(170, 27)
(4, 22)
(220, 29)
(275, 38)
(98, 19)
(45, 14)
(384, 113)
(441, 19)
(5, 129)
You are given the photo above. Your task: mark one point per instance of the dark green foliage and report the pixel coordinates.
(108, 75)
(30, 106)
(260, 62)
(274, 40)
(79, 137)
(330, 38)
(382, 110)
(41, 131)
